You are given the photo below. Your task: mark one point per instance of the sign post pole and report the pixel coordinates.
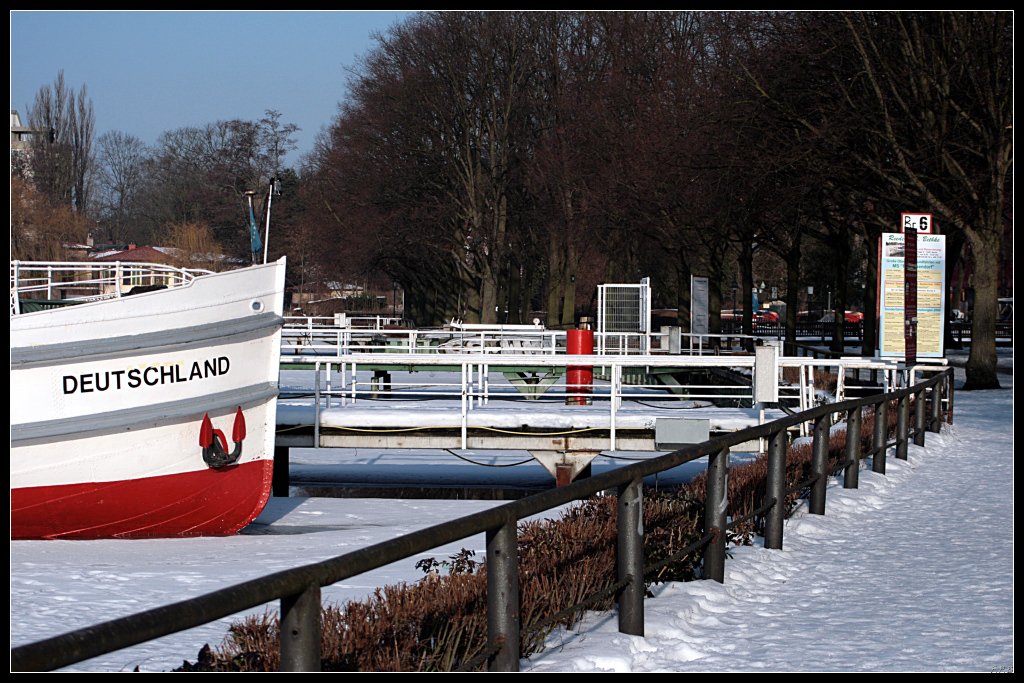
(913, 224)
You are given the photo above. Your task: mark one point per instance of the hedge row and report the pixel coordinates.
(439, 623)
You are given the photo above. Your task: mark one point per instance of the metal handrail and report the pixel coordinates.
(299, 588)
(321, 336)
(473, 387)
(89, 281)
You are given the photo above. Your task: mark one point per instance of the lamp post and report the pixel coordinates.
(274, 191)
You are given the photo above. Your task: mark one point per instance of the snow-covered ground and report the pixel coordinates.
(59, 586)
(912, 571)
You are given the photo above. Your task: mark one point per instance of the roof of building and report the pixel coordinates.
(147, 254)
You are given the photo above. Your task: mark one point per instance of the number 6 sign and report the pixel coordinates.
(921, 223)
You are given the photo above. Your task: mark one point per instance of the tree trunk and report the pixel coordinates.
(683, 293)
(747, 289)
(841, 248)
(469, 308)
(714, 308)
(982, 362)
(715, 277)
(792, 294)
(554, 313)
(569, 285)
(515, 294)
(488, 298)
(870, 341)
(554, 283)
(954, 248)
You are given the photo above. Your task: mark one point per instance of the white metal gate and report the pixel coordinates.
(624, 318)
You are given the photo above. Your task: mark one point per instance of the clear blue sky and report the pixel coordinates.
(149, 72)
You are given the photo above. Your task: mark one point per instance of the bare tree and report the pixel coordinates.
(563, 155)
(200, 174)
(432, 127)
(62, 157)
(483, 158)
(916, 107)
(119, 180)
(940, 90)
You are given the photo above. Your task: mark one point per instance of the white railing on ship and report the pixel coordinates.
(85, 281)
(364, 322)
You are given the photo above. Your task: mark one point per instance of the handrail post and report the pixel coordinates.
(631, 558)
(851, 475)
(902, 426)
(881, 435)
(919, 399)
(936, 406)
(819, 465)
(503, 597)
(300, 630)
(949, 396)
(16, 279)
(327, 385)
(316, 404)
(775, 487)
(464, 383)
(716, 503)
(615, 390)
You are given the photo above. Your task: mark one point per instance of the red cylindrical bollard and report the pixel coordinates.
(579, 378)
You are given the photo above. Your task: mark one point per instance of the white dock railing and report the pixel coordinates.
(318, 337)
(467, 379)
(474, 388)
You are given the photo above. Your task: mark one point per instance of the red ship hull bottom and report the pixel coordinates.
(201, 503)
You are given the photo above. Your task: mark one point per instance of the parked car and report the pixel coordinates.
(757, 316)
(766, 316)
(852, 317)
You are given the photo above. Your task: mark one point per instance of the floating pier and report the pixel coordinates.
(510, 390)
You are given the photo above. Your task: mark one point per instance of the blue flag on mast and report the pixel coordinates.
(254, 233)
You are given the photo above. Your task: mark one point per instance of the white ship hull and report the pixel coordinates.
(108, 402)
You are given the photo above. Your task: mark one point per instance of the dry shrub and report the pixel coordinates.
(194, 245)
(823, 379)
(40, 229)
(440, 622)
(826, 381)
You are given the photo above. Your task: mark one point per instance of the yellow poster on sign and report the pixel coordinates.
(931, 300)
